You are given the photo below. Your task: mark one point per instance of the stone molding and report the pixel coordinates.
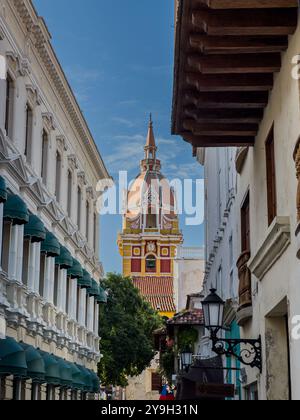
(40, 38)
(277, 241)
(240, 159)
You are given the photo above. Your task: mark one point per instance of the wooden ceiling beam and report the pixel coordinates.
(230, 83)
(227, 100)
(234, 45)
(246, 4)
(223, 141)
(245, 23)
(239, 116)
(220, 129)
(244, 63)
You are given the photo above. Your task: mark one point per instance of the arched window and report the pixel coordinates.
(79, 197)
(28, 132)
(151, 221)
(151, 264)
(9, 105)
(44, 168)
(58, 176)
(87, 226)
(69, 203)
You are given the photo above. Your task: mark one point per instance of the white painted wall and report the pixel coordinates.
(188, 274)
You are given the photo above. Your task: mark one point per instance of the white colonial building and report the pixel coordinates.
(222, 242)
(49, 229)
(236, 90)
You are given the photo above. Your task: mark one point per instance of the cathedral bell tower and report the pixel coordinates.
(150, 234)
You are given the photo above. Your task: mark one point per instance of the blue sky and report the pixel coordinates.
(118, 57)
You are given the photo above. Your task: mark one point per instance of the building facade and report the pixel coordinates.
(238, 87)
(188, 274)
(222, 241)
(49, 229)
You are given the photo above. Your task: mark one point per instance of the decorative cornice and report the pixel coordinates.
(62, 143)
(90, 193)
(18, 65)
(34, 95)
(82, 178)
(73, 163)
(41, 39)
(48, 120)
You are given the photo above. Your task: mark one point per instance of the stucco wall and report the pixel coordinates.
(188, 279)
(282, 280)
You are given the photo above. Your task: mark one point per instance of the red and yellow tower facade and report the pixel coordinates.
(150, 234)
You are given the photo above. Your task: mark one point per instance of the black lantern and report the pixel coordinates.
(246, 351)
(213, 311)
(186, 359)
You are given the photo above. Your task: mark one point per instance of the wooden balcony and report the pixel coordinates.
(226, 54)
(245, 288)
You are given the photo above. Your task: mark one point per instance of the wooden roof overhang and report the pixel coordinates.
(226, 54)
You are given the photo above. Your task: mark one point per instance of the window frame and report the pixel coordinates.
(271, 176)
(28, 132)
(9, 103)
(246, 225)
(45, 152)
(58, 173)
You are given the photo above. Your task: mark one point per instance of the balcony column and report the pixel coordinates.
(74, 300)
(37, 268)
(82, 308)
(13, 253)
(31, 299)
(2, 91)
(96, 319)
(31, 267)
(49, 311)
(90, 313)
(62, 290)
(20, 248)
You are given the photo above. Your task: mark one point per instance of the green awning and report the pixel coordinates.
(65, 373)
(12, 359)
(15, 210)
(87, 379)
(50, 245)
(52, 376)
(96, 382)
(86, 281)
(65, 259)
(102, 296)
(3, 191)
(94, 290)
(35, 229)
(35, 363)
(77, 378)
(76, 271)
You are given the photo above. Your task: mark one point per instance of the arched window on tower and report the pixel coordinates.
(151, 221)
(151, 264)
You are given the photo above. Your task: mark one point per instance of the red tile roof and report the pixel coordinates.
(158, 291)
(190, 317)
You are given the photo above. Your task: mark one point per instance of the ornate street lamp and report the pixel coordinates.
(246, 351)
(186, 359)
